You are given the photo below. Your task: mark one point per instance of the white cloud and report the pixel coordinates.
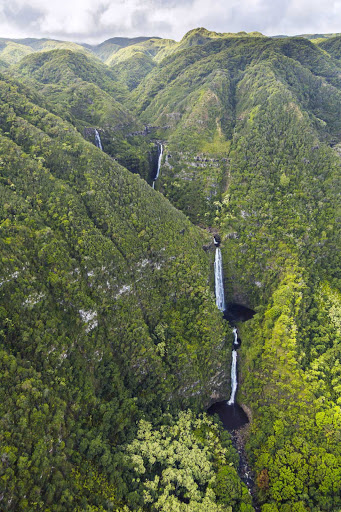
(94, 21)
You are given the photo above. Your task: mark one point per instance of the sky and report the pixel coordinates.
(93, 21)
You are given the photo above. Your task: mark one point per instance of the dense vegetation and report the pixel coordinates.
(106, 318)
(111, 344)
(89, 95)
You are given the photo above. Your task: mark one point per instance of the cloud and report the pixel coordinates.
(94, 21)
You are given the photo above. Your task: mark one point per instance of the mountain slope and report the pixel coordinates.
(332, 46)
(13, 50)
(109, 47)
(87, 93)
(193, 95)
(111, 317)
(247, 145)
(66, 67)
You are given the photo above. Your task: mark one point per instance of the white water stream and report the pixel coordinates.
(234, 382)
(219, 280)
(98, 141)
(158, 164)
(228, 415)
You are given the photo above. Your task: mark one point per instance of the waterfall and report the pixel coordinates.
(231, 414)
(98, 140)
(158, 163)
(234, 382)
(219, 281)
(220, 302)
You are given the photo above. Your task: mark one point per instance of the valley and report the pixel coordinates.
(162, 203)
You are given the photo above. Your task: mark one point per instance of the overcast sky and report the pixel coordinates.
(94, 21)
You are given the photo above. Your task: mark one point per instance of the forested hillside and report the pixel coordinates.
(112, 346)
(88, 94)
(106, 311)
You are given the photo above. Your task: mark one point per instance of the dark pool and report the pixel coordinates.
(232, 416)
(237, 313)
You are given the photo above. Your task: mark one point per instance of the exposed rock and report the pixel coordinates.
(217, 239)
(219, 385)
(247, 411)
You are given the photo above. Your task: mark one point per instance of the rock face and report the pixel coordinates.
(219, 385)
(247, 411)
(148, 130)
(217, 240)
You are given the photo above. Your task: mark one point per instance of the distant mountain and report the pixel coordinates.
(13, 50)
(109, 47)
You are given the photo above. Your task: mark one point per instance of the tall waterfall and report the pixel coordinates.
(158, 164)
(234, 382)
(220, 302)
(219, 282)
(98, 140)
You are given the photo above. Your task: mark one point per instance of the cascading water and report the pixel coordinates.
(219, 281)
(158, 163)
(98, 141)
(231, 414)
(220, 302)
(234, 382)
(235, 334)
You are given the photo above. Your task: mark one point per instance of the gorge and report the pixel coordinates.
(121, 321)
(230, 412)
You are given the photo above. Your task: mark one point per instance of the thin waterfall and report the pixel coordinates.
(98, 141)
(219, 281)
(235, 334)
(234, 382)
(158, 163)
